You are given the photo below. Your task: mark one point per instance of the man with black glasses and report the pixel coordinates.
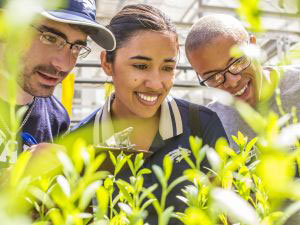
(208, 47)
(60, 38)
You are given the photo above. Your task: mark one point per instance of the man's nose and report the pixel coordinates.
(232, 80)
(63, 60)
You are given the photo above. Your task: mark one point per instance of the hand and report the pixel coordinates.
(42, 147)
(44, 159)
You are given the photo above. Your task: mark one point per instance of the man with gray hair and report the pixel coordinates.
(208, 47)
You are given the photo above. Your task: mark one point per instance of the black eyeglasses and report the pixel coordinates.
(59, 42)
(218, 78)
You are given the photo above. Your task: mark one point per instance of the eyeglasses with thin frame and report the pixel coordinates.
(219, 78)
(59, 42)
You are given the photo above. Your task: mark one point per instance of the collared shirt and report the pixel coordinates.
(174, 132)
(170, 122)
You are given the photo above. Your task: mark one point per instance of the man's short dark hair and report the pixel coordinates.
(207, 28)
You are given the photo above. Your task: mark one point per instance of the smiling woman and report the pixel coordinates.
(142, 68)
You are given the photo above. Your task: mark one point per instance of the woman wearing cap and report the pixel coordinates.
(142, 68)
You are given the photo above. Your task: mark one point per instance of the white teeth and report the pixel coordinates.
(147, 97)
(240, 92)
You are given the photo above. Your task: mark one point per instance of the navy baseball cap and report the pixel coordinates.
(83, 13)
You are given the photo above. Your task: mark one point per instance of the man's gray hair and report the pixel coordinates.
(210, 27)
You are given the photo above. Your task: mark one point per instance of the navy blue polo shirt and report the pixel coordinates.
(174, 132)
(47, 120)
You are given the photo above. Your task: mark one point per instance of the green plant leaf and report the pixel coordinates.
(147, 203)
(196, 216)
(125, 208)
(42, 196)
(279, 164)
(250, 145)
(139, 184)
(78, 152)
(195, 175)
(269, 85)
(160, 175)
(165, 216)
(19, 168)
(288, 136)
(138, 162)
(64, 185)
(249, 10)
(221, 144)
(144, 171)
(108, 183)
(66, 162)
(95, 164)
(214, 159)
(103, 200)
(115, 201)
(236, 140)
(175, 182)
(55, 216)
(121, 160)
(146, 192)
(123, 187)
(234, 206)
(37, 207)
(195, 144)
(253, 118)
(130, 164)
(168, 166)
(112, 158)
(88, 193)
(186, 157)
(227, 179)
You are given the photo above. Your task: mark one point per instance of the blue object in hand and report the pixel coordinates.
(28, 139)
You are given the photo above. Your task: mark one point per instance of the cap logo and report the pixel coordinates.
(88, 4)
(83, 4)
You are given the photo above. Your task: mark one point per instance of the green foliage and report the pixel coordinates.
(249, 10)
(58, 186)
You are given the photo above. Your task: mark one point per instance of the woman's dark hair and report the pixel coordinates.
(133, 18)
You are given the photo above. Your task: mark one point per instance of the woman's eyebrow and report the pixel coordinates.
(149, 59)
(170, 60)
(141, 57)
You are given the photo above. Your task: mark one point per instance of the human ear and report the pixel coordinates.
(107, 66)
(252, 39)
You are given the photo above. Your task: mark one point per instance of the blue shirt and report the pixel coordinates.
(47, 120)
(174, 132)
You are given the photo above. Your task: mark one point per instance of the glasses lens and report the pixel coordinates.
(215, 80)
(241, 64)
(52, 39)
(80, 51)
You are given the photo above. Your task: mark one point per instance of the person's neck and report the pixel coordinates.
(22, 97)
(121, 123)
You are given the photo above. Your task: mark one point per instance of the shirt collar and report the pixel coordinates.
(170, 122)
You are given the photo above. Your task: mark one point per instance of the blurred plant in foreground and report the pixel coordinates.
(59, 186)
